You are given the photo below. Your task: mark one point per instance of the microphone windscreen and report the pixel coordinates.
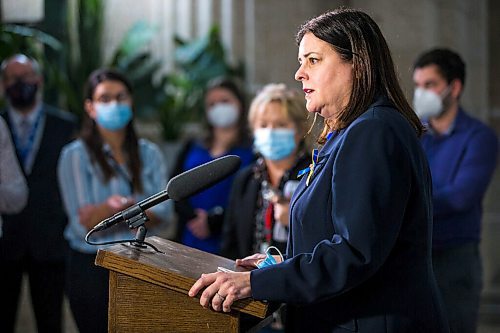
(201, 177)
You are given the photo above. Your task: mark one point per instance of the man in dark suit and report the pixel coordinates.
(32, 241)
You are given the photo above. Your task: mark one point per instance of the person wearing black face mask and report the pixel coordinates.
(32, 242)
(22, 94)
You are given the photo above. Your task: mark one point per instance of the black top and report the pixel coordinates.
(245, 203)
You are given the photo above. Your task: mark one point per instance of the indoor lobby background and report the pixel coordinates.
(260, 35)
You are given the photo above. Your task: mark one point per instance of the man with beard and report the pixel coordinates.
(32, 242)
(462, 154)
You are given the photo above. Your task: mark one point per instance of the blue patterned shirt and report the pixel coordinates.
(82, 184)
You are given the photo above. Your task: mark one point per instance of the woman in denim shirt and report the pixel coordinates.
(103, 172)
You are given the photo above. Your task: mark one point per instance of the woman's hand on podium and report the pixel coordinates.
(222, 289)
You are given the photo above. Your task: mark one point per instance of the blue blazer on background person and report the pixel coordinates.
(369, 221)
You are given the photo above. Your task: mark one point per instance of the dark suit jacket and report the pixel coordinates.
(37, 231)
(239, 223)
(359, 256)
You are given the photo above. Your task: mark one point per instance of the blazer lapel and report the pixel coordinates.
(322, 158)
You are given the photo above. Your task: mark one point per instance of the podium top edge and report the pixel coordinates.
(176, 268)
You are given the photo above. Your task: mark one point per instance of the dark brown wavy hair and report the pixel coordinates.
(358, 39)
(93, 140)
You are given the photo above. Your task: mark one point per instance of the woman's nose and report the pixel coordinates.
(300, 74)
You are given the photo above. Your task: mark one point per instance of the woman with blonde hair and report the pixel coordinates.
(257, 214)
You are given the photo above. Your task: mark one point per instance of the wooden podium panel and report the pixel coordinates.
(148, 290)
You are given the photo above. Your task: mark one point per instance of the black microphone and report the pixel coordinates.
(178, 188)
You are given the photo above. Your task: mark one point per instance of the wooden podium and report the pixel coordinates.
(148, 291)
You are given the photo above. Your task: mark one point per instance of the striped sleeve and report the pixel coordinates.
(75, 190)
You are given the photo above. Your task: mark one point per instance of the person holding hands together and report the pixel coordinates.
(106, 170)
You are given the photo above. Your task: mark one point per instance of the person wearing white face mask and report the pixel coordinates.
(200, 217)
(429, 104)
(462, 154)
(223, 115)
(106, 170)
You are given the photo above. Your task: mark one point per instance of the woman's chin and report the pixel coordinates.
(312, 109)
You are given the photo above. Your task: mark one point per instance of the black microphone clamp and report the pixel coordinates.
(134, 216)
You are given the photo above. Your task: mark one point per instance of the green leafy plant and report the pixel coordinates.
(173, 99)
(134, 59)
(22, 39)
(83, 50)
(197, 62)
(80, 50)
(66, 59)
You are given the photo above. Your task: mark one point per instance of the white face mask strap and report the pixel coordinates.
(275, 248)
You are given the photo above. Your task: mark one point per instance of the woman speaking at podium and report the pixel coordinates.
(358, 255)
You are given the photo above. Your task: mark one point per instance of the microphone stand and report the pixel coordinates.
(140, 236)
(136, 218)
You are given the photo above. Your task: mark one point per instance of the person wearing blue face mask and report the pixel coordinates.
(113, 116)
(257, 213)
(258, 201)
(103, 172)
(274, 143)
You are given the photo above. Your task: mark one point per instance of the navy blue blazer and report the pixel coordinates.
(359, 250)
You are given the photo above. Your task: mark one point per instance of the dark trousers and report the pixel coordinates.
(458, 272)
(87, 289)
(46, 285)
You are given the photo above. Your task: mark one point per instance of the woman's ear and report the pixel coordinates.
(89, 108)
